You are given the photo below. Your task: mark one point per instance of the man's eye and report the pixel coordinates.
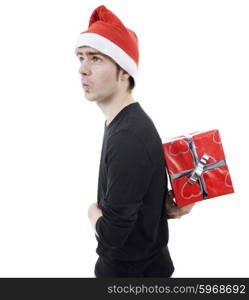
(95, 58)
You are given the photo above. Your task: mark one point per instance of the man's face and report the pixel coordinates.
(98, 74)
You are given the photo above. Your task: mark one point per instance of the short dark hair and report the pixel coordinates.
(131, 84)
(131, 80)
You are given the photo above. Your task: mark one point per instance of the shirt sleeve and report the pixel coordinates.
(129, 172)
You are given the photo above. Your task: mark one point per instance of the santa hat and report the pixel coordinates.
(107, 34)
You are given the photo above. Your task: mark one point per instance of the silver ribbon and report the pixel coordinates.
(200, 167)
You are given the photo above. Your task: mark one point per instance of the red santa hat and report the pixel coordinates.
(107, 34)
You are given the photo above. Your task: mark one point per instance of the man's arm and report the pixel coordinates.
(129, 172)
(94, 213)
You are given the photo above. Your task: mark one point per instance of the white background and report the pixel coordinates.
(194, 74)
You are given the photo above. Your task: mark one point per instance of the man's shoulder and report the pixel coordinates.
(138, 130)
(138, 123)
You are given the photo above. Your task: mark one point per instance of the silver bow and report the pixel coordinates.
(198, 170)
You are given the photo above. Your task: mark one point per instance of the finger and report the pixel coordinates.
(188, 207)
(171, 193)
(173, 216)
(174, 212)
(170, 205)
(169, 199)
(180, 211)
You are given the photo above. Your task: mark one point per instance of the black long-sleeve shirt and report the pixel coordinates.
(132, 187)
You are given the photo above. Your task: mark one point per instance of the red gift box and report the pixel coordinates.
(197, 167)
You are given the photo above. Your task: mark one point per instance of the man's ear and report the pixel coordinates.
(125, 76)
(122, 74)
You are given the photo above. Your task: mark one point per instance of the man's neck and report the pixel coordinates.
(111, 107)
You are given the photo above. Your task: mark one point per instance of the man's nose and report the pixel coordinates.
(85, 68)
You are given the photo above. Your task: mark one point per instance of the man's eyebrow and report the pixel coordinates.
(89, 53)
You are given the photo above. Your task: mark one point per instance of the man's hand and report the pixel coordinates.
(94, 212)
(173, 211)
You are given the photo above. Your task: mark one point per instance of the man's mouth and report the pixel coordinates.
(85, 86)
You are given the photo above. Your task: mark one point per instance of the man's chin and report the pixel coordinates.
(90, 97)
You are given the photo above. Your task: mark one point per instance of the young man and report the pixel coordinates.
(130, 216)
